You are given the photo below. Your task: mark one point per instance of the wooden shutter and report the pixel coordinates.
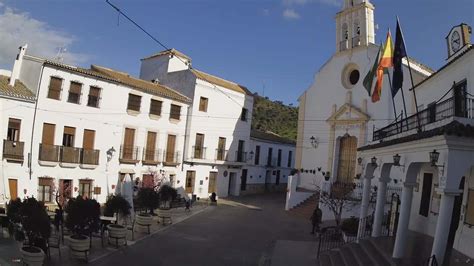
(175, 112)
(151, 141)
(155, 107)
(212, 182)
(221, 144)
(70, 131)
(129, 137)
(190, 178)
(94, 91)
(45, 181)
(14, 123)
(199, 140)
(88, 140)
(170, 147)
(55, 85)
(203, 104)
(48, 134)
(134, 102)
(75, 87)
(13, 185)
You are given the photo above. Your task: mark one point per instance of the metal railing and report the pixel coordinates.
(151, 156)
(69, 154)
(221, 155)
(48, 153)
(129, 153)
(330, 238)
(90, 157)
(171, 157)
(199, 152)
(13, 150)
(433, 113)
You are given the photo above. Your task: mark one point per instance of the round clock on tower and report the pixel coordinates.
(458, 37)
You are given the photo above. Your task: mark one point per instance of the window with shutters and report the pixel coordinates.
(44, 189)
(13, 133)
(88, 140)
(128, 144)
(290, 155)
(155, 107)
(55, 85)
(48, 134)
(170, 149)
(199, 146)
(190, 178)
(150, 149)
(221, 153)
(85, 188)
(68, 136)
(134, 102)
(257, 154)
(93, 97)
(175, 112)
(470, 207)
(74, 92)
(203, 104)
(243, 115)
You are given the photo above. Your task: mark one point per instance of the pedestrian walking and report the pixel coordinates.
(316, 219)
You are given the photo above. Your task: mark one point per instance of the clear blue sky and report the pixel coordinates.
(247, 41)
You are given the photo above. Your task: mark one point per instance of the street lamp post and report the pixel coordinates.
(110, 154)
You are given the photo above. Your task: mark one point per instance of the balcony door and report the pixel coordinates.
(128, 143)
(459, 92)
(48, 134)
(13, 186)
(150, 147)
(221, 149)
(170, 148)
(198, 147)
(347, 158)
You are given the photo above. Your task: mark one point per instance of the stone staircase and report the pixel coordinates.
(305, 209)
(364, 253)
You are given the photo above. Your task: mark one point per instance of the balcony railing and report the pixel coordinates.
(129, 154)
(171, 157)
(90, 157)
(13, 150)
(199, 152)
(355, 41)
(221, 155)
(69, 155)
(49, 153)
(151, 156)
(433, 113)
(240, 156)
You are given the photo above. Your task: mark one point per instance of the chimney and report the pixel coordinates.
(17, 66)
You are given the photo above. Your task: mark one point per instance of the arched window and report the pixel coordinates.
(356, 28)
(345, 32)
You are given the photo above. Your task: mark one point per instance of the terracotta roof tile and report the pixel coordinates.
(19, 90)
(220, 82)
(169, 51)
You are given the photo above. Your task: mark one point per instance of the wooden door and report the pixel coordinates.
(170, 148)
(347, 158)
(150, 146)
(88, 139)
(212, 182)
(243, 180)
(13, 185)
(128, 143)
(190, 178)
(198, 148)
(48, 134)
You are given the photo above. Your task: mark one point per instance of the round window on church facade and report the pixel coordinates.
(350, 76)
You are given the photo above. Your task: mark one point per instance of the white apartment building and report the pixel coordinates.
(78, 117)
(218, 132)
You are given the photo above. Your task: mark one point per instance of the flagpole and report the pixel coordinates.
(404, 106)
(412, 83)
(393, 101)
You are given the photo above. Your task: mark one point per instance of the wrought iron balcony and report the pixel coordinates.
(151, 156)
(70, 155)
(129, 154)
(171, 158)
(222, 155)
(199, 152)
(90, 157)
(434, 113)
(49, 153)
(13, 150)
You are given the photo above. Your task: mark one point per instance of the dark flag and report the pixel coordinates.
(398, 53)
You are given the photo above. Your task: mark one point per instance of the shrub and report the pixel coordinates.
(350, 226)
(117, 204)
(35, 222)
(13, 210)
(148, 198)
(167, 194)
(83, 216)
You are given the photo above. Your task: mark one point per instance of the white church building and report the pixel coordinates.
(344, 137)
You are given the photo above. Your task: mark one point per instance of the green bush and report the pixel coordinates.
(117, 204)
(35, 222)
(83, 216)
(148, 198)
(167, 194)
(350, 226)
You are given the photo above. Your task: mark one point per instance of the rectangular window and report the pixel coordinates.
(44, 189)
(94, 96)
(134, 102)
(128, 143)
(150, 154)
(257, 154)
(240, 151)
(199, 146)
(88, 139)
(269, 156)
(279, 158)
(85, 188)
(74, 92)
(48, 134)
(470, 207)
(203, 104)
(243, 115)
(13, 133)
(426, 194)
(155, 107)
(290, 158)
(190, 178)
(221, 149)
(170, 149)
(68, 136)
(55, 85)
(175, 112)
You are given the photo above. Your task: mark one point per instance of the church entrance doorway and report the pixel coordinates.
(347, 158)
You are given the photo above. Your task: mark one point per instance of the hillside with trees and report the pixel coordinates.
(275, 116)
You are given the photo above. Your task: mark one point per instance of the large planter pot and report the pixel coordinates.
(80, 245)
(349, 237)
(165, 216)
(117, 234)
(32, 255)
(143, 222)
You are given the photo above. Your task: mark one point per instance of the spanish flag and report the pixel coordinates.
(385, 62)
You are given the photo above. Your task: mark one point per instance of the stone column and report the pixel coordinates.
(364, 208)
(399, 249)
(443, 224)
(380, 206)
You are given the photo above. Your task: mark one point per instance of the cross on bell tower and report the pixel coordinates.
(355, 25)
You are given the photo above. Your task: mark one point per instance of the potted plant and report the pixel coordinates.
(349, 228)
(149, 199)
(166, 195)
(83, 218)
(114, 206)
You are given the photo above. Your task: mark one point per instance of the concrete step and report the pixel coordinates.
(336, 258)
(361, 256)
(348, 256)
(324, 260)
(373, 253)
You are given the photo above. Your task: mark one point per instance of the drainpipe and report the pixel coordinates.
(185, 137)
(30, 156)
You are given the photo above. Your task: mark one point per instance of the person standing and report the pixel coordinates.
(316, 219)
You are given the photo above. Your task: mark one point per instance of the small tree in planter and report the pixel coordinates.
(349, 228)
(148, 198)
(116, 205)
(166, 195)
(13, 214)
(83, 218)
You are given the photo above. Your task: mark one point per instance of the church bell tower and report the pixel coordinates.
(355, 25)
